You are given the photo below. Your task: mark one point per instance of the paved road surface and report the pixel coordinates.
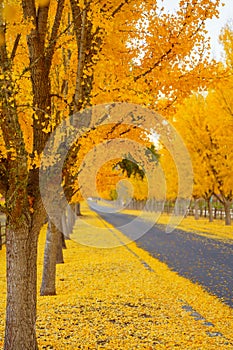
(206, 261)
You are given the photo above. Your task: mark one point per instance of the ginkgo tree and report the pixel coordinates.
(108, 51)
(192, 120)
(219, 157)
(205, 122)
(156, 58)
(30, 33)
(206, 129)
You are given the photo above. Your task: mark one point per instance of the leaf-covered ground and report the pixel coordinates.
(122, 298)
(216, 229)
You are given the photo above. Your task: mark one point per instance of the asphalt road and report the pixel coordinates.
(203, 260)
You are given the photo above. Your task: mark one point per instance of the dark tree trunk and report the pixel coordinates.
(210, 209)
(63, 241)
(227, 208)
(21, 248)
(48, 286)
(215, 213)
(78, 209)
(60, 258)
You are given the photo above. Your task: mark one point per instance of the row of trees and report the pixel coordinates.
(197, 208)
(205, 121)
(56, 58)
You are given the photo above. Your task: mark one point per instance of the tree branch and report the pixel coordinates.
(4, 61)
(119, 7)
(16, 44)
(54, 35)
(29, 10)
(42, 19)
(149, 70)
(32, 64)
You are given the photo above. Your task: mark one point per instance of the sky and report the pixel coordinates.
(213, 26)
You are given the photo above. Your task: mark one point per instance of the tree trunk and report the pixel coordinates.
(176, 209)
(60, 258)
(227, 208)
(210, 209)
(70, 218)
(215, 213)
(196, 208)
(21, 250)
(78, 209)
(48, 285)
(63, 241)
(65, 226)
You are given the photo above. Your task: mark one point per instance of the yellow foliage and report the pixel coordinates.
(99, 150)
(206, 125)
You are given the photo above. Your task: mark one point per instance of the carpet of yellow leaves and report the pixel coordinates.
(108, 299)
(216, 229)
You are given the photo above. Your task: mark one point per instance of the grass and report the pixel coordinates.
(107, 299)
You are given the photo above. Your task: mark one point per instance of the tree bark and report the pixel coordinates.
(210, 210)
(48, 286)
(78, 209)
(226, 202)
(65, 226)
(60, 258)
(196, 208)
(63, 241)
(25, 214)
(227, 208)
(21, 251)
(70, 218)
